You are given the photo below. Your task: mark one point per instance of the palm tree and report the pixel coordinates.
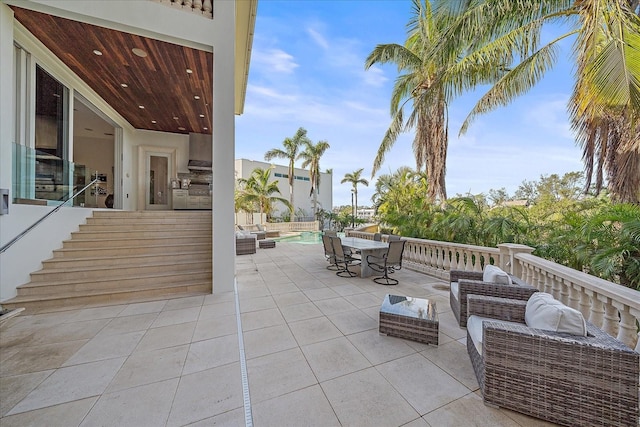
(355, 179)
(290, 152)
(311, 159)
(426, 92)
(605, 104)
(259, 190)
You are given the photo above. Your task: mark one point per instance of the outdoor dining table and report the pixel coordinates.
(366, 247)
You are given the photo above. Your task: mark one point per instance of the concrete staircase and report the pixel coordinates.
(120, 256)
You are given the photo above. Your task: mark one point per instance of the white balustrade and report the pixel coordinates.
(287, 227)
(613, 308)
(200, 7)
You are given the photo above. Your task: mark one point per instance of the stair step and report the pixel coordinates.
(132, 242)
(152, 214)
(108, 296)
(112, 283)
(158, 220)
(74, 273)
(121, 261)
(112, 226)
(130, 250)
(138, 234)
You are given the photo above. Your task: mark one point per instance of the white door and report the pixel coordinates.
(158, 172)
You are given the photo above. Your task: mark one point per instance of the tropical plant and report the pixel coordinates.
(355, 178)
(260, 191)
(423, 87)
(289, 152)
(311, 159)
(605, 104)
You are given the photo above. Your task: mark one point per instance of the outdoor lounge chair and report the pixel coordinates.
(387, 263)
(588, 379)
(464, 283)
(328, 252)
(342, 260)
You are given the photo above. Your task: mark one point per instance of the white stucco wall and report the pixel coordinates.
(25, 256)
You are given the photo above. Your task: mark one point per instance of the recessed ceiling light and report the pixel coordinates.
(141, 107)
(139, 52)
(181, 128)
(154, 122)
(124, 85)
(205, 128)
(201, 115)
(189, 71)
(175, 117)
(97, 52)
(196, 97)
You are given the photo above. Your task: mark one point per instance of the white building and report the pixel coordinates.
(115, 86)
(301, 186)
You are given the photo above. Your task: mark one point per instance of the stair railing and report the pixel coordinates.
(47, 215)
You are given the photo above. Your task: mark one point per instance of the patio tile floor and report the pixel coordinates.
(313, 357)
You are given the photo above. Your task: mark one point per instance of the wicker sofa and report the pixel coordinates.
(464, 283)
(245, 244)
(559, 377)
(255, 229)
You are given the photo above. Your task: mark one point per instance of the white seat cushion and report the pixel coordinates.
(494, 274)
(543, 311)
(474, 328)
(455, 291)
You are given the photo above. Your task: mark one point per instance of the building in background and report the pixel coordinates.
(303, 201)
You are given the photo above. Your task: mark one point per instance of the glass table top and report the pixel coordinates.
(409, 307)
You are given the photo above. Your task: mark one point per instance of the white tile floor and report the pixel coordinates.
(314, 357)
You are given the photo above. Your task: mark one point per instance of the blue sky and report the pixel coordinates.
(307, 70)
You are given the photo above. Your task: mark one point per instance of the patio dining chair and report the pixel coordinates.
(342, 260)
(377, 237)
(392, 237)
(389, 262)
(328, 252)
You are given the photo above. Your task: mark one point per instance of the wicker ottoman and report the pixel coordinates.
(264, 244)
(411, 318)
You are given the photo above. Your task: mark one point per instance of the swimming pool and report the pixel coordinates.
(305, 238)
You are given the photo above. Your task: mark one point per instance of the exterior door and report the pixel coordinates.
(156, 170)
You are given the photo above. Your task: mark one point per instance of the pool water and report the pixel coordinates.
(305, 238)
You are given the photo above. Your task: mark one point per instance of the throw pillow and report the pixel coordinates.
(494, 274)
(543, 311)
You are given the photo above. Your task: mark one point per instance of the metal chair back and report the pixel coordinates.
(394, 253)
(377, 237)
(393, 237)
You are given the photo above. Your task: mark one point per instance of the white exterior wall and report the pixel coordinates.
(302, 199)
(194, 31)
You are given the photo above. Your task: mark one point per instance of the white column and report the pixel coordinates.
(6, 95)
(223, 146)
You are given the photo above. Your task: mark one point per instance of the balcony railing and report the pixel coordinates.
(293, 226)
(613, 308)
(201, 7)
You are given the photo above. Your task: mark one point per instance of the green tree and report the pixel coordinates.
(605, 104)
(311, 158)
(355, 178)
(289, 152)
(260, 191)
(422, 87)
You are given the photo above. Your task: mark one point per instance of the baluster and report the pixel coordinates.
(597, 311)
(627, 330)
(207, 7)
(574, 297)
(539, 281)
(477, 265)
(564, 292)
(585, 303)
(188, 3)
(446, 265)
(557, 288)
(548, 284)
(611, 319)
(197, 5)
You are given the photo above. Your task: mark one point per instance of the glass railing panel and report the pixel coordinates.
(43, 178)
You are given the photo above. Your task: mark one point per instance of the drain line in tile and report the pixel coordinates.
(248, 417)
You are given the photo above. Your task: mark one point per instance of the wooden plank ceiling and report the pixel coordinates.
(174, 99)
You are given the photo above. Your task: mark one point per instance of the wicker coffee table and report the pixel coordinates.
(411, 318)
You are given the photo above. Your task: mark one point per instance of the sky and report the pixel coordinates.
(307, 70)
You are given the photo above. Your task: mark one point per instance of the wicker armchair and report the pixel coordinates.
(562, 378)
(245, 244)
(470, 282)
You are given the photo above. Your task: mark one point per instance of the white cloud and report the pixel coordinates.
(551, 115)
(375, 77)
(274, 60)
(318, 38)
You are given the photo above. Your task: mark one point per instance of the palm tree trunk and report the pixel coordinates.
(355, 214)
